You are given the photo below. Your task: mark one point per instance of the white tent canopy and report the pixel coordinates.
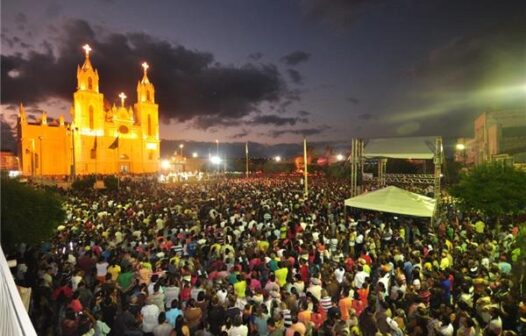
(400, 148)
(394, 200)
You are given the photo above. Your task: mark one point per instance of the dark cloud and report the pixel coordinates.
(53, 10)
(240, 135)
(7, 135)
(283, 106)
(353, 100)
(465, 59)
(468, 74)
(7, 40)
(211, 122)
(366, 116)
(302, 131)
(272, 119)
(338, 13)
(295, 76)
(20, 18)
(255, 56)
(296, 57)
(20, 21)
(190, 85)
(303, 113)
(293, 95)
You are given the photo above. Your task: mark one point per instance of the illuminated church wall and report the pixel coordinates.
(44, 148)
(105, 141)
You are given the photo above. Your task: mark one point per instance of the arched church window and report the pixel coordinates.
(91, 118)
(90, 83)
(148, 98)
(149, 125)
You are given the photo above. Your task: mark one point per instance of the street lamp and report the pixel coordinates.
(40, 159)
(165, 164)
(215, 160)
(195, 155)
(181, 146)
(339, 157)
(277, 158)
(460, 147)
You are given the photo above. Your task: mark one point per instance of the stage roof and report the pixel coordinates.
(400, 148)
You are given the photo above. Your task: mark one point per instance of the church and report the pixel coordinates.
(99, 140)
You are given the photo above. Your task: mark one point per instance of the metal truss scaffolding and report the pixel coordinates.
(383, 179)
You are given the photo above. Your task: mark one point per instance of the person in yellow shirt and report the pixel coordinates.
(479, 227)
(367, 268)
(175, 260)
(146, 264)
(444, 262)
(215, 250)
(428, 266)
(240, 286)
(263, 245)
(114, 269)
(281, 274)
(449, 245)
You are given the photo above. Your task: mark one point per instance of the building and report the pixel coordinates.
(498, 135)
(8, 161)
(99, 140)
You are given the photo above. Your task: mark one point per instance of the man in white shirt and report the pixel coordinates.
(150, 315)
(339, 274)
(360, 277)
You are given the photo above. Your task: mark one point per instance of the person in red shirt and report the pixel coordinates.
(63, 292)
(304, 271)
(357, 304)
(363, 293)
(75, 303)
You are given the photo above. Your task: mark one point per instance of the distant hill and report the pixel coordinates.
(234, 150)
(256, 150)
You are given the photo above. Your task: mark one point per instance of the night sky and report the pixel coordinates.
(275, 71)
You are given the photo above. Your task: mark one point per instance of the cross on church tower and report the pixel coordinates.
(123, 97)
(145, 67)
(87, 49)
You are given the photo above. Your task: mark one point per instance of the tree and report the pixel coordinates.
(494, 189)
(28, 215)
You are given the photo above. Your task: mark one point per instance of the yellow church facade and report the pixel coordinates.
(99, 140)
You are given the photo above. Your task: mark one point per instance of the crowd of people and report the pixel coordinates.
(239, 257)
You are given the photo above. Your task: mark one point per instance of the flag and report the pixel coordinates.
(114, 144)
(94, 149)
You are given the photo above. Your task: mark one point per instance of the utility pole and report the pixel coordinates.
(73, 163)
(40, 159)
(305, 169)
(246, 159)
